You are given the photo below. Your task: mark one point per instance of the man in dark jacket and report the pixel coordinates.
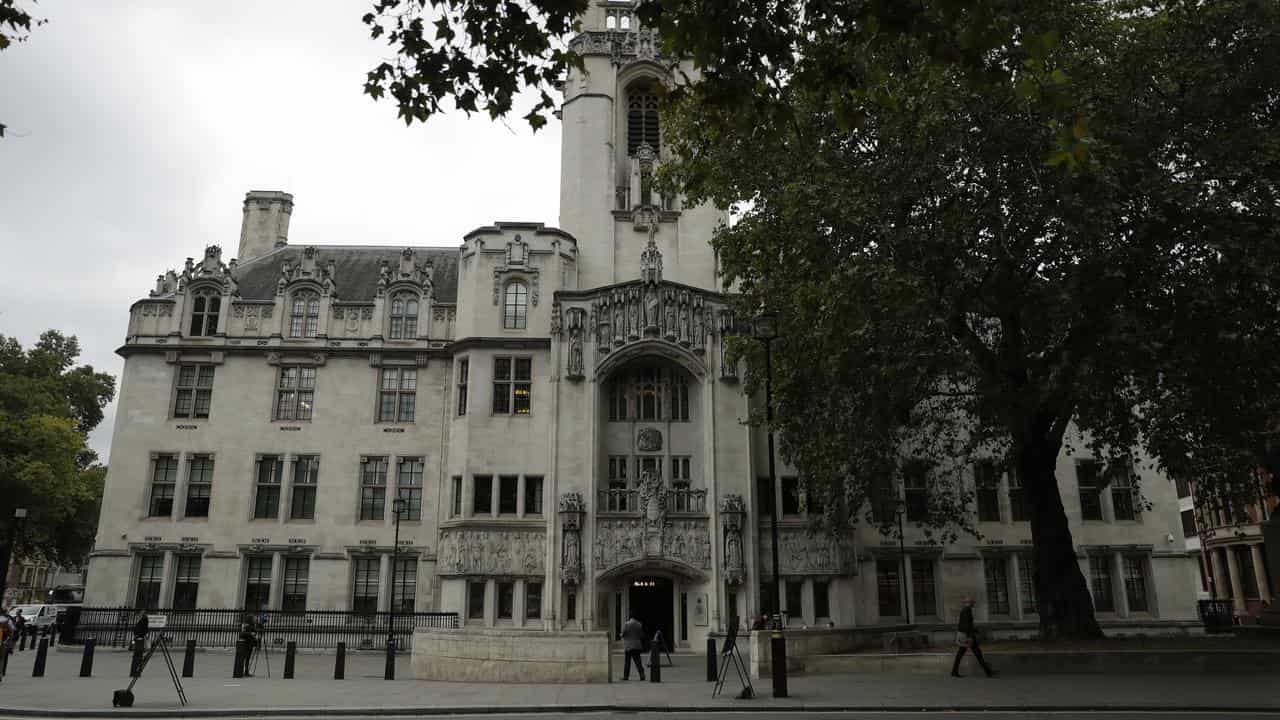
(632, 645)
(967, 639)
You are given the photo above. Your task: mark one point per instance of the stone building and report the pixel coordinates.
(1226, 535)
(556, 409)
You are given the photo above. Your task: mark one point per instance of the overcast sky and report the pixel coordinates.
(135, 129)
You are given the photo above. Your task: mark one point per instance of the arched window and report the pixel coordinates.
(515, 306)
(642, 118)
(204, 313)
(304, 314)
(404, 316)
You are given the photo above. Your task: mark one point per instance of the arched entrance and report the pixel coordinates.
(651, 599)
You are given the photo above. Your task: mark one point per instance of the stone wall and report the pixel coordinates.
(511, 655)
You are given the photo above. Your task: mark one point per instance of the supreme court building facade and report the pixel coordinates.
(556, 408)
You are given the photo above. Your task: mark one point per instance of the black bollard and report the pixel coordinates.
(135, 663)
(778, 645)
(712, 676)
(655, 663)
(86, 660)
(242, 652)
(340, 662)
(22, 641)
(189, 660)
(290, 651)
(42, 655)
(390, 672)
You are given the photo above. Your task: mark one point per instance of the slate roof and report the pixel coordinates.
(355, 270)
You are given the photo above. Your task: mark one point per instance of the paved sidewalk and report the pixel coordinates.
(213, 692)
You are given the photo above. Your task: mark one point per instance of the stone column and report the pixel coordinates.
(1260, 572)
(1233, 569)
(384, 582)
(1271, 535)
(166, 580)
(1216, 563)
(277, 581)
(1119, 586)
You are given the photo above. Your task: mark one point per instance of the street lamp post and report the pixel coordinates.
(397, 507)
(765, 329)
(902, 559)
(19, 514)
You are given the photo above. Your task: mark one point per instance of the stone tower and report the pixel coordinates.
(611, 147)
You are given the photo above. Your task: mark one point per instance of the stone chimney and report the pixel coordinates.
(266, 222)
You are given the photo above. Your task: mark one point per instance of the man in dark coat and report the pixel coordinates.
(967, 639)
(632, 645)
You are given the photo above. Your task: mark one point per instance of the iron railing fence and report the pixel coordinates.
(310, 629)
(1217, 615)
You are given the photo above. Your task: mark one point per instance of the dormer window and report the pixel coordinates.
(515, 306)
(404, 317)
(204, 314)
(304, 314)
(642, 118)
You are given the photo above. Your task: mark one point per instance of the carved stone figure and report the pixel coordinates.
(619, 320)
(732, 512)
(653, 310)
(575, 369)
(699, 329)
(670, 328)
(633, 314)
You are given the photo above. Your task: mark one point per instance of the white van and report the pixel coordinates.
(37, 616)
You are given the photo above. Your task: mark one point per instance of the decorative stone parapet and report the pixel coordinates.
(510, 655)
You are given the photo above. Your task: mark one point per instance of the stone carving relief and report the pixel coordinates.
(732, 512)
(624, 315)
(466, 551)
(571, 511)
(653, 503)
(649, 439)
(802, 554)
(623, 540)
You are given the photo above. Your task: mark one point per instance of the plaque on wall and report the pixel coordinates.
(700, 609)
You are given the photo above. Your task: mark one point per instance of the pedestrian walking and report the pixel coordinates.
(632, 646)
(967, 639)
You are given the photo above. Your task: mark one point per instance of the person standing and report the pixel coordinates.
(632, 646)
(967, 639)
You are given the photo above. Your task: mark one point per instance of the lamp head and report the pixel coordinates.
(765, 325)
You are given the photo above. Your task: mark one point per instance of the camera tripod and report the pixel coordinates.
(124, 698)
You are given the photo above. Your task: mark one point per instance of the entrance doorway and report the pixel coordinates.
(651, 602)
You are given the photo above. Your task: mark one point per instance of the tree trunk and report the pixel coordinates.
(1066, 608)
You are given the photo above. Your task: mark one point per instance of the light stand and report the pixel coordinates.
(764, 328)
(19, 514)
(397, 507)
(902, 559)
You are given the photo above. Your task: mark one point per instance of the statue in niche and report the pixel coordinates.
(572, 551)
(699, 337)
(575, 344)
(684, 320)
(619, 320)
(652, 310)
(671, 315)
(733, 551)
(633, 314)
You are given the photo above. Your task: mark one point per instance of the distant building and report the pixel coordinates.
(1228, 544)
(557, 411)
(31, 579)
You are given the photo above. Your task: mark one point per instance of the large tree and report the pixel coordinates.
(48, 406)
(990, 229)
